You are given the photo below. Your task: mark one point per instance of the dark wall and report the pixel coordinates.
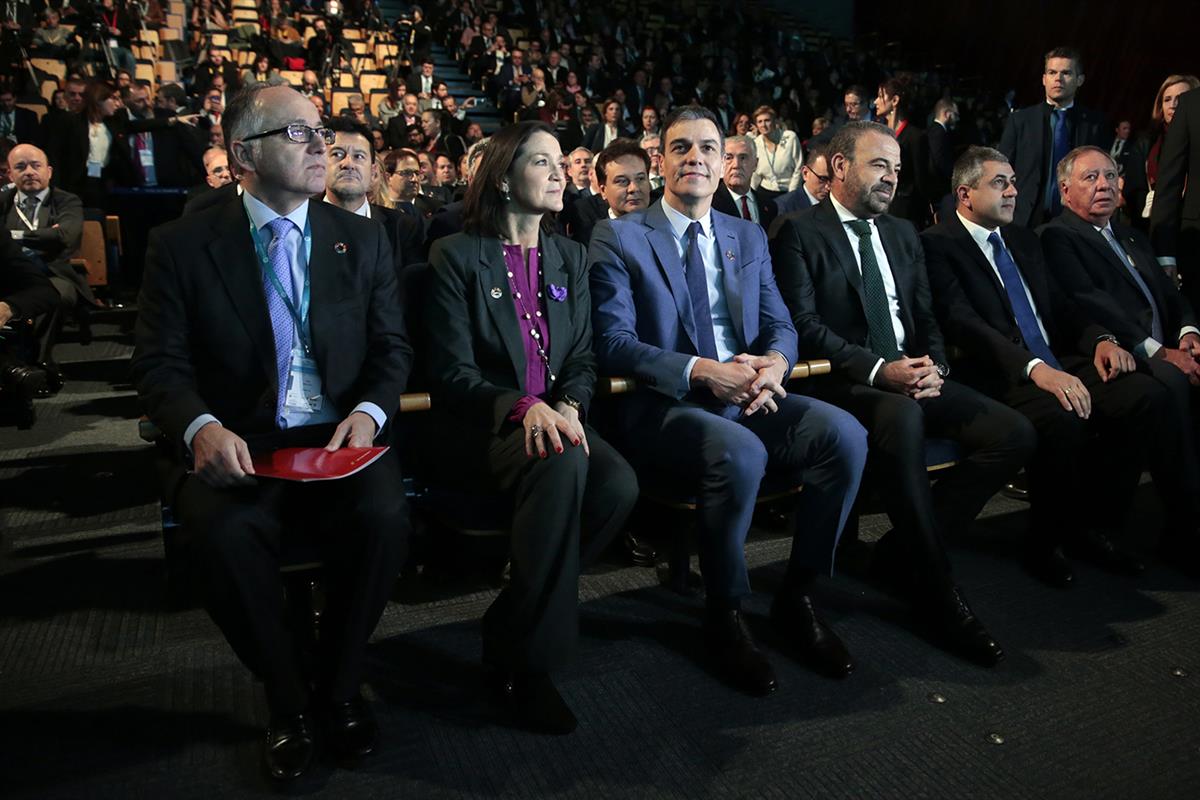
(1128, 47)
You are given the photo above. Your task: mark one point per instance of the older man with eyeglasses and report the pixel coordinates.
(273, 321)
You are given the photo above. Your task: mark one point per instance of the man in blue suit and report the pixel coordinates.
(684, 300)
(813, 189)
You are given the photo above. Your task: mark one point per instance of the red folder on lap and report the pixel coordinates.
(315, 463)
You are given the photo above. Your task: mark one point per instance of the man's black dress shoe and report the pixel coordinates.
(289, 746)
(534, 702)
(1048, 565)
(641, 553)
(737, 656)
(1096, 548)
(350, 729)
(953, 621)
(795, 617)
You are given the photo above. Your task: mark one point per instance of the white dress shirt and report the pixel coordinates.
(363, 211)
(980, 235)
(750, 201)
(885, 272)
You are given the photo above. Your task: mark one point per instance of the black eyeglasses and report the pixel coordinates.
(298, 132)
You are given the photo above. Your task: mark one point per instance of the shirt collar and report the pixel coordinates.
(680, 222)
(261, 214)
(612, 214)
(363, 211)
(1067, 107)
(737, 198)
(843, 213)
(41, 196)
(812, 200)
(979, 233)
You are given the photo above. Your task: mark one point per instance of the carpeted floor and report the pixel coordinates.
(107, 691)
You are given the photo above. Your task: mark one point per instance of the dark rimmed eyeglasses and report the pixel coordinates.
(298, 132)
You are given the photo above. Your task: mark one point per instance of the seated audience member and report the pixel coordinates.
(814, 185)
(52, 40)
(48, 226)
(438, 140)
(219, 184)
(16, 124)
(431, 187)
(579, 175)
(356, 109)
(515, 421)
(25, 294)
(447, 174)
(779, 155)
(612, 127)
(351, 164)
(260, 72)
(711, 411)
(623, 173)
(854, 279)
(404, 183)
(448, 219)
(1026, 343)
(1110, 271)
(735, 196)
(393, 104)
(223, 380)
(653, 147)
(214, 64)
(399, 126)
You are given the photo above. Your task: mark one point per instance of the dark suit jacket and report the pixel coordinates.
(821, 283)
(593, 137)
(27, 291)
(723, 202)
(476, 348)
(581, 217)
(938, 164)
(203, 338)
(405, 234)
(396, 134)
(178, 151)
(446, 221)
(1085, 266)
(25, 125)
(1026, 142)
(54, 245)
(973, 308)
(789, 202)
(909, 200)
(204, 196)
(1175, 218)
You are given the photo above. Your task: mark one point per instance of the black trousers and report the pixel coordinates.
(567, 507)
(1084, 472)
(360, 525)
(996, 440)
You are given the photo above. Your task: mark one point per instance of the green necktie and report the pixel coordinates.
(880, 334)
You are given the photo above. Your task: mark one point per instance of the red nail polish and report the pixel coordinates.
(558, 449)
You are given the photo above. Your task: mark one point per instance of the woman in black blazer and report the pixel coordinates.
(509, 335)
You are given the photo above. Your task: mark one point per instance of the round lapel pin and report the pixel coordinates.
(340, 248)
(729, 254)
(496, 293)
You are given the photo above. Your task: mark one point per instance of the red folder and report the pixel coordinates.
(315, 463)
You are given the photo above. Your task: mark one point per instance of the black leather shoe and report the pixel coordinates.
(953, 621)
(533, 701)
(737, 656)
(289, 747)
(640, 551)
(350, 729)
(795, 617)
(1048, 565)
(1097, 549)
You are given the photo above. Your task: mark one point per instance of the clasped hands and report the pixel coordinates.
(221, 458)
(752, 382)
(1185, 357)
(916, 377)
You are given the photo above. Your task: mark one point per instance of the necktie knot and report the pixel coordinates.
(280, 227)
(995, 241)
(694, 231)
(860, 227)
(29, 203)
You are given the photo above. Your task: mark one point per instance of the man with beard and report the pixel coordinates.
(854, 280)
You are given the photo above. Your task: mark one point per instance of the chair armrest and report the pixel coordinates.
(802, 369)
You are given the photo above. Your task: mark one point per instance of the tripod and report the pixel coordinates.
(93, 44)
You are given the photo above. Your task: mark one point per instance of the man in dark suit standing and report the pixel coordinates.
(854, 279)
(938, 150)
(665, 285)
(161, 149)
(1036, 138)
(1027, 343)
(1175, 217)
(351, 160)
(812, 189)
(17, 124)
(232, 355)
(735, 196)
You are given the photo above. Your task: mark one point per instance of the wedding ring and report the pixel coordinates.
(1066, 390)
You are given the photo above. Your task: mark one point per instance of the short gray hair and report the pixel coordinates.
(743, 139)
(246, 114)
(968, 169)
(1067, 165)
(845, 141)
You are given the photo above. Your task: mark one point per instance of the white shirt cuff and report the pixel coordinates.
(374, 412)
(687, 373)
(1166, 261)
(1186, 329)
(1033, 363)
(874, 372)
(199, 422)
(1148, 347)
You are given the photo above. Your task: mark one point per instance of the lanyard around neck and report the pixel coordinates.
(299, 316)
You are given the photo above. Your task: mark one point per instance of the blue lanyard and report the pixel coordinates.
(300, 317)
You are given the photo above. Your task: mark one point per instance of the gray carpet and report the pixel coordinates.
(106, 691)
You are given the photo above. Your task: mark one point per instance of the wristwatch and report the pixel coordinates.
(573, 403)
(1107, 337)
(942, 369)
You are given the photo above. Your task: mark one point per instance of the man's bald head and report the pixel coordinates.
(29, 169)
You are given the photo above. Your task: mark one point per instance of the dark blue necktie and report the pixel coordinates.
(693, 267)
(1010, 276)
(1060, 147)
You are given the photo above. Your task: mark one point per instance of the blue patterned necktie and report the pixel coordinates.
(281, 319)
(693, 267)
(1061, 145)
(1023, 312)
(1156, 329)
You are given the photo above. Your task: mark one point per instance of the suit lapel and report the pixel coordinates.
(964, 241)
(831, 228)
(558, 314)
(233, 256)
(901, 272)
(493, 274)
(666, 250)
(326, 277)
(1100, 245)
(741, 285)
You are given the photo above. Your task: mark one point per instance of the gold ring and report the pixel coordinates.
(1066, 390)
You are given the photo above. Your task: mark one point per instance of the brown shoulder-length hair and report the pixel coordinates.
(1156, 114)
(483, 205)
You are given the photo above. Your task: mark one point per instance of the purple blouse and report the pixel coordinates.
(526, 279)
